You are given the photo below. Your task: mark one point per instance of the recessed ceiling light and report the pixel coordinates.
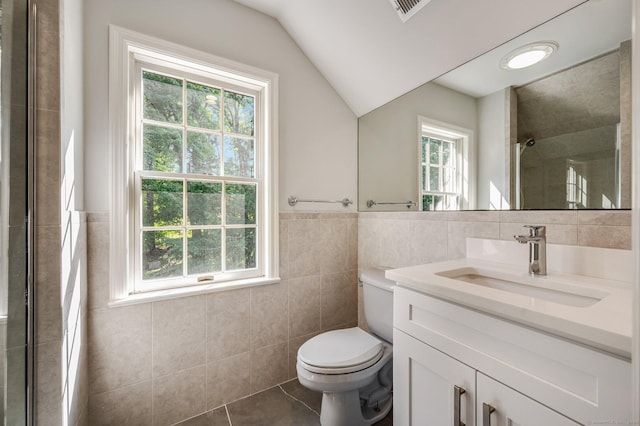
(528, 55)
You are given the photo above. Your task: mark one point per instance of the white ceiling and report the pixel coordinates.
(594, 28)
(370, 57)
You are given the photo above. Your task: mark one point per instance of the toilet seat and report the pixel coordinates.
(340, 352)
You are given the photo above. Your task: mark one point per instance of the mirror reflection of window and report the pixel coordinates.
(439, 189)
(443, 167)
(576, 184)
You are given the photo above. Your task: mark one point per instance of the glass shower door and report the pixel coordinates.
(16, 195)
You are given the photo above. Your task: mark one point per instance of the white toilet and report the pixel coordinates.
(352, 368)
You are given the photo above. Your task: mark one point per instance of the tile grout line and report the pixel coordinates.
(226, 409)
(296, 399)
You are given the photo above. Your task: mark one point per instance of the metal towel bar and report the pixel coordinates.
(409, 204)
(295, 200)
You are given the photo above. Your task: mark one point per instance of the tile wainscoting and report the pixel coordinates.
(166, 361)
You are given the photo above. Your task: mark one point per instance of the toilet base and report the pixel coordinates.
(343, 409)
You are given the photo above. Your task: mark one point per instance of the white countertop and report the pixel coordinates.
(605, 325)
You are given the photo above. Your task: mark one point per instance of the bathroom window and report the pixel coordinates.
(443, 166)
(198, 205)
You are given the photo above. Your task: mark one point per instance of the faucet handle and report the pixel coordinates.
(536, 230)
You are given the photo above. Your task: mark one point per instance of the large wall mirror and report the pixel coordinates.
(492, 134)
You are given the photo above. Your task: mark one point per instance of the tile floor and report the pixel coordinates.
(288, 404)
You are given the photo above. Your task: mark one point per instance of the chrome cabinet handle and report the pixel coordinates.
(486, 414)
(457, 395)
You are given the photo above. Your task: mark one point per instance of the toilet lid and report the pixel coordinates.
(341, 349)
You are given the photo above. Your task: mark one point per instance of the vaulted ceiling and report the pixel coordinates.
(371, 57)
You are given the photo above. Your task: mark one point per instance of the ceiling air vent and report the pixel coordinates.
(407, 8)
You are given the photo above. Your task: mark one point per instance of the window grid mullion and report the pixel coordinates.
(161, 123)
(192, 227)
(184, 126)
(193, 128)
(239, 136)
(453, 153)
(184, 228)
(242, 226)
(223, 233)
(424, 164)
(425, 183)
(428, 168)
(437, 166)
(192, 177)
(440, 166)
(431, 188)
(185, 207)
(222, 132)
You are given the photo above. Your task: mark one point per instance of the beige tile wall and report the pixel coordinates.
(60, 351)
(404, 239)
(165, 361)
(161, 362)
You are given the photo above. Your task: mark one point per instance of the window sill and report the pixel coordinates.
(173, 293)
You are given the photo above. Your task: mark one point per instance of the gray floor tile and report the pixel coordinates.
(290, 404)
(311, 398)
(314, 399)
(271, 408)
(217, 417)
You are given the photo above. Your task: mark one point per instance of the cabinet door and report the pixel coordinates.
(511, 407)
(424, 382)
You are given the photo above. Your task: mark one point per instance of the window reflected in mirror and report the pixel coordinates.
(444, 177)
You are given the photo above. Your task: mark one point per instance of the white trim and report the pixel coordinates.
(124, 46)
(152, 296)
(466, 164)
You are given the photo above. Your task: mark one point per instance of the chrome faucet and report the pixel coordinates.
(537, 240)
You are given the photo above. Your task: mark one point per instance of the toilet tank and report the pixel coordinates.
(378, 302)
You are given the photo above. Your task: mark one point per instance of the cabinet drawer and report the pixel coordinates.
(584, 384)
(500, 405)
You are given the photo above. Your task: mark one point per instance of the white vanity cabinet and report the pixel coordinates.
(424, 385)
(527, 376)
(498, 404)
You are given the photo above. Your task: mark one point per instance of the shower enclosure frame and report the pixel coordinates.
(30, 299)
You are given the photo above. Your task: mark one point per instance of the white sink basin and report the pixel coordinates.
(544, 288)
(585, 298)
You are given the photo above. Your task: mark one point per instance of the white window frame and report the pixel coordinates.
(464, 144)
(127, 50)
